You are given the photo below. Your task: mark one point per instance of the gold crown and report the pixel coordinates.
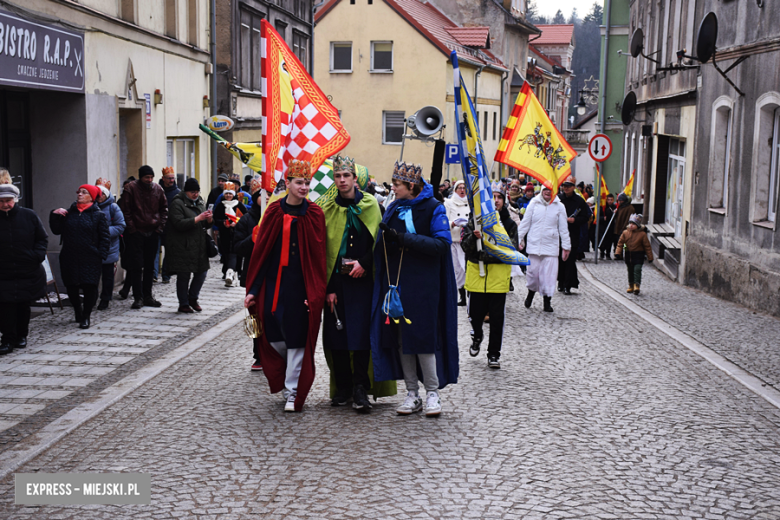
(343, 163)
(299, 170)
(407, 172)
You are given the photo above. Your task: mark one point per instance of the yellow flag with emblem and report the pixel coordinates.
(532, 144)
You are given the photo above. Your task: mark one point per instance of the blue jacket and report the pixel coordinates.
(116, 226)
(427, 290)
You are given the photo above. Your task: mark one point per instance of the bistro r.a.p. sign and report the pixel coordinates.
(40, 56)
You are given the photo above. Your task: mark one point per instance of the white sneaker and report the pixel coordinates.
(236, 282)
(289, 406)
(411, 404)
(432, 405)
(229, 275)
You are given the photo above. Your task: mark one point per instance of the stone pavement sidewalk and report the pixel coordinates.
(63, 365)
(748, 339)
(593, 415)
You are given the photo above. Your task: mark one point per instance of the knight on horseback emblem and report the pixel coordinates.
(544, 147)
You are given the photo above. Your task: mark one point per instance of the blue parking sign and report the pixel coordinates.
(452, 155)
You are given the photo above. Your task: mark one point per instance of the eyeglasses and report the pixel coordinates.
(514, 188)
(82, 192)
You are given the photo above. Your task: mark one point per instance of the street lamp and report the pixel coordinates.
(587, 97)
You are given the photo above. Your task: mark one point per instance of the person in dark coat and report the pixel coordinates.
(226, 214)
(607, 228)
(124, 292)
(145, 209)
(186, 249)
(116, 226)
(85, 245)
(425, 331)
(578, 213)
(243, 240)
(623, 213)
(23, 243)
(171, 189)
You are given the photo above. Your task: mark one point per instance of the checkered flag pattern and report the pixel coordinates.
(322, 181)
(298, 120)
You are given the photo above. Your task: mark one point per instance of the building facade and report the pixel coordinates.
(97, 89)
(733, 246)
(612, 80)
(660, 141)
(379, 62)
(238, 63)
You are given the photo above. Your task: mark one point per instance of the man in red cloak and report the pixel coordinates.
(286, 287)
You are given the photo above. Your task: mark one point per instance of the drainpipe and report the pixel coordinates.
(476, 84)
(213, 49)
(603, 110)
(504, 77)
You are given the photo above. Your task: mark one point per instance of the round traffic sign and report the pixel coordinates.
(600, 148)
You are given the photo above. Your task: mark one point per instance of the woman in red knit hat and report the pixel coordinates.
(85, 244)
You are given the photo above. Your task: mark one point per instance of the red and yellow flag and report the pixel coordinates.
(630, 185)
(603, 191)
(298, 120)
(532, 144)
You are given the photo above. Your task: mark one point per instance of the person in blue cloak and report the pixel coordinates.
(414, 320)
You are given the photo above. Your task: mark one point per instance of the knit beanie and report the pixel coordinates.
(145, 170)
(94, 191)
(191, 185)
(105, 191)
(622, 198)
(9, 191)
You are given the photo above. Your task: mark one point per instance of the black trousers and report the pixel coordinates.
(14, 321)
(480, 304)
(141, 251)
(84, 310)
(348, 372)
(107, 281)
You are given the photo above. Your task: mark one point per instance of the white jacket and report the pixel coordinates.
(456, 208)
(544, 223)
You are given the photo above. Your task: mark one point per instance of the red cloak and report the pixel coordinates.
(311, 240)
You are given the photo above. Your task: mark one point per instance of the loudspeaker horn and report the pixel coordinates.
(426, 122)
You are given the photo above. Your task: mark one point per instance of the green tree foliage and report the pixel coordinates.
(532, 14)
(559, 18)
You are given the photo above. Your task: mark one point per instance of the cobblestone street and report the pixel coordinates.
(594, 413)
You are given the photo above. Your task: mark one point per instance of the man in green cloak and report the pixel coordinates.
(351, 221)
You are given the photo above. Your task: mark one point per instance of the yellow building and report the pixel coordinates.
(381, 61)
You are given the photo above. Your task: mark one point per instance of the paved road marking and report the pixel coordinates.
(741, 375)
(53, 432)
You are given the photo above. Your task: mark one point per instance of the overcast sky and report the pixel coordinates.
(549, 8)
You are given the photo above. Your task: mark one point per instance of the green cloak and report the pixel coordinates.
(335, 221)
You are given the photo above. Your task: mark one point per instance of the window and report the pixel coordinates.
(765, 171)
(182, 155)
(720, 154)
(127, 10)
(393, 127)
(299, 9)
(381, 56)
(250, 50)
(341, 56)
(774, 169)
(192, 22)
(170, 18)
(495, 122)
(281, 28)
(301, 47)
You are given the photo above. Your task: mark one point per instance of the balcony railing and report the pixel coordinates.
(574, 137)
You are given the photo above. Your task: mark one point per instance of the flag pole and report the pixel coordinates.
(598, 215)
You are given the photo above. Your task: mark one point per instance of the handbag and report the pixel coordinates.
(211, 247)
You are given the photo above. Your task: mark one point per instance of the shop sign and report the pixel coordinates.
(220, 123)
(40, 56)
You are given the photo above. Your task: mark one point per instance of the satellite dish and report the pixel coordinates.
(629, 108)
(708, 34)
(637, 43)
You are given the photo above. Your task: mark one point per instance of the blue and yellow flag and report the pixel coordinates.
(495, 241)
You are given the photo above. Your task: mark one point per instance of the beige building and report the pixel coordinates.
(98, 88)
(381, 61)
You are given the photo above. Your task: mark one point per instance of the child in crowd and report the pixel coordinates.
(633, 242)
